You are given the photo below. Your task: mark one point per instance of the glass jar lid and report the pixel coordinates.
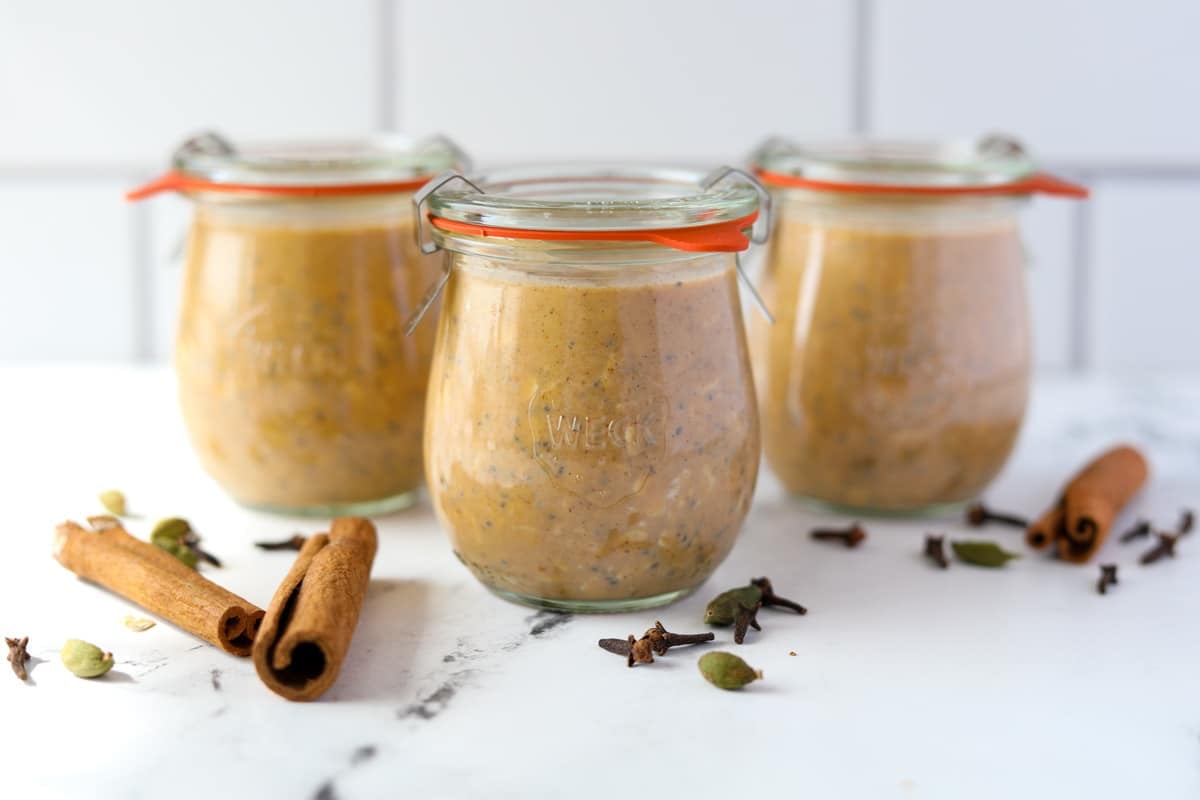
(681, 208)
(383, 163)
(988, 166)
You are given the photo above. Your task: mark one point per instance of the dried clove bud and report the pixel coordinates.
(935, 550)
(18, 655)
(746, 617)
(1108, 577)
(982, 554)
(727, 671)
(1187, 521)
(113, 502)
(294, 542)
(662, 639)
(769, 598)
(1164, 548)
(979, 515)
(851, 537)
(1139, 531)
(656, 640)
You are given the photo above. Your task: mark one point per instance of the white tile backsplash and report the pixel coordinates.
(1077, 80)
(123, 81)
(68, 270)
(93, 92)
(681, 80)
(1145, 277)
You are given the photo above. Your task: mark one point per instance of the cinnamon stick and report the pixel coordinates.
(1080, 521)
(311, 619)
(158, 582)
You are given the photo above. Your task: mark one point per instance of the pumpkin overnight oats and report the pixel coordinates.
(297, 383)
(300, 391)
(896, 376)
(897, 372)
(592, 433)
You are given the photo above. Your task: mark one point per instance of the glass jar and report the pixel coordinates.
(299, 389)
(591, 434)
(896, 376)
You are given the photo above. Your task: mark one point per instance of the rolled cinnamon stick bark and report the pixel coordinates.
(311, 619)
(1048, 528)
(1080, 521)
(159, 583)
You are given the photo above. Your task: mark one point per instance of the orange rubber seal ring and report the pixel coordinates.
(1037, 183)
(720, 237)
(175, 181)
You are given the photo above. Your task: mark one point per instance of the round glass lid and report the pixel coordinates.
(369, 160)
(990, 161)
(595, 198)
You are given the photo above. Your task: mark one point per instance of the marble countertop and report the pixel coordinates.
(907, 682)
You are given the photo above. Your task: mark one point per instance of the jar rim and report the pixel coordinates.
(987, 161)
(594, 198)
(378, 158)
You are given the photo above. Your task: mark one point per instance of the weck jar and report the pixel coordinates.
(896, 376)
(300, 391)
(591, 432)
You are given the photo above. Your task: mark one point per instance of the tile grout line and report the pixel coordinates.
(1081, 355)
(860, 65)
(386, 15)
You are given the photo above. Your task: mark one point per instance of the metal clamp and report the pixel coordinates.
(438, 181)
(429, 246)
(759, 234)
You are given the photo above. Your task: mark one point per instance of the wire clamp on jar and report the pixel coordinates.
(759, 234)
(429, 246)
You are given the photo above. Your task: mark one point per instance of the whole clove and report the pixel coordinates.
(1139, 531)
(935, 550)
(979, 515)
(746, 618)
(656, 640)
(1108, 577)
(18, 655)
(851, 537)
(294, 542)
(636, 651)
(769, 598)
(1165, 548)
(1187, 521)
(662, 639)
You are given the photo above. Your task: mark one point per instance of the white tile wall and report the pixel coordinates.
(69, 273)
(123, 81)
(1146, 276)
(94, 95)
(672, 79)
(1078, 79)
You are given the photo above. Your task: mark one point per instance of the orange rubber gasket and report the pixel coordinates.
(1037, 183)
(720, 237)
(175, 181)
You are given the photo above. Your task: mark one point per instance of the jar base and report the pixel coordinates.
(365, 508)
(949, 510)
(591, 606)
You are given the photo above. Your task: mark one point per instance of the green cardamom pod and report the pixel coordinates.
(181, 551)
(113, 502)
(982, 554)
(169, 531)
(85, 660)
(727, 671)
